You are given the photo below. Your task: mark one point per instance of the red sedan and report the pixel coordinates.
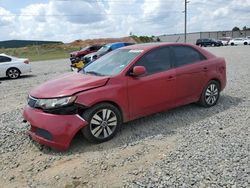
(126, 84)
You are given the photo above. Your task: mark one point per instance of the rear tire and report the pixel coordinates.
(245, 43)
(13, 73)
(210, 94)
(232, 44)
(104, 122)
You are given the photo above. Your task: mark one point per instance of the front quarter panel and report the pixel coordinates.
(115, 91)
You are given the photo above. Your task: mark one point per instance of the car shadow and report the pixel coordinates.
(21, 77)
(164, 123)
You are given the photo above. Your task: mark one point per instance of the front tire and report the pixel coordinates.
(13, 73)
(210, 94)
(104, 122)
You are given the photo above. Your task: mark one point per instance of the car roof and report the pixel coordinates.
(148, 46)
(12, 57)
(109, 44)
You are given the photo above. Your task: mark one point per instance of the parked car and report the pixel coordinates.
(208, 42)
(104, 50)
(225, 40)
(121, 86)
(239, 41)
(13, 67)
(84, 51)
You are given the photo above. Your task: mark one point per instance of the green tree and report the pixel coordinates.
(245, 28)
(236, 29)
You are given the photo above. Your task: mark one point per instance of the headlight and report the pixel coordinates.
(54, 103)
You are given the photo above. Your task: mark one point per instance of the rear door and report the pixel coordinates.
(156, 90)
(190, 73)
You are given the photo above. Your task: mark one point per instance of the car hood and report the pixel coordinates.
(68, 84)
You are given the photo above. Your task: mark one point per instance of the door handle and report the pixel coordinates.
(171, 78)
(205, 69)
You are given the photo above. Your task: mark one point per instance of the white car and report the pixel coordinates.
(239, 41)
(13, 67)
(225, 40)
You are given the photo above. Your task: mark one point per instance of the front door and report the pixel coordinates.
(4, 61)
(156, 90)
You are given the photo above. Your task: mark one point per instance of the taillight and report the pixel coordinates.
(26, 61)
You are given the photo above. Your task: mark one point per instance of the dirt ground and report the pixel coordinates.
(133, 154)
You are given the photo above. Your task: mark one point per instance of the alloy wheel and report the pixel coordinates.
(211, 94)
(13, 73)
(103, 123)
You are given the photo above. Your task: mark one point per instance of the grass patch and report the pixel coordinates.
(41, 52)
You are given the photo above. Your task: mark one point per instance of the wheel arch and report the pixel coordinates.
(217, 80)
(100, 102)
(13, 68)
(114, 104)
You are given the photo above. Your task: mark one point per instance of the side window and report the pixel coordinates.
(4, 59)
(186, 55)
(156, 61)
(92, 48)
(116, 46)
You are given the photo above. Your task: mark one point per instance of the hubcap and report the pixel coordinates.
(13, 73)
(211, 94)
(103, 123)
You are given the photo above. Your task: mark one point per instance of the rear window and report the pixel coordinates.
(4, 59)
(92, 48)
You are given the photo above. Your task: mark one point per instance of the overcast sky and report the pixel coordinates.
(68, 20)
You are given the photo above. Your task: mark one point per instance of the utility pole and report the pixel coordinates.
(185, 25)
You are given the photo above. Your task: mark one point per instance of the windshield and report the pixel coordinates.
(85, 48)
(112, 63)
(104, 49)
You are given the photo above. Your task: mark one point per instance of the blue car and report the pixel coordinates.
(104, 50)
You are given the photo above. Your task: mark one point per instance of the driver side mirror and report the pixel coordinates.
(138, 71)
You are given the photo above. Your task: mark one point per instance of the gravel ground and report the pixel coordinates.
(186, 147)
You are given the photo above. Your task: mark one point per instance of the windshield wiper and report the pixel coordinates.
(94, 73)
